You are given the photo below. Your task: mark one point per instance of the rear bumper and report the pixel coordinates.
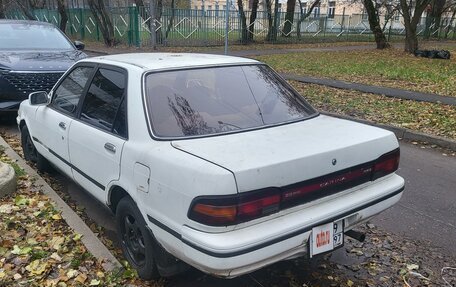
(244, 250)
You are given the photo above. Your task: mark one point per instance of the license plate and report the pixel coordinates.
(326, 237)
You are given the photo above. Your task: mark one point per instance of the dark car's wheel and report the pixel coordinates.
(30, 152)
(136, 241)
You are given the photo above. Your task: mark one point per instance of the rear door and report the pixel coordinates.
(97, 135)
(53, 122)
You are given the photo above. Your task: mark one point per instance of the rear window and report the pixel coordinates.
(206, 101)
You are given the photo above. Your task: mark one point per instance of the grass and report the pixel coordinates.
(435, 119)
(391, 68)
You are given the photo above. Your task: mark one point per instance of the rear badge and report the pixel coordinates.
(334, 161)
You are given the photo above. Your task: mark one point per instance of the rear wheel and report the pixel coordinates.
(30, 152)
(136, 241)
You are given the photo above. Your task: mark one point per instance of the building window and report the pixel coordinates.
(331, 9)
(316, 11)
(304, 7)
(364, 14)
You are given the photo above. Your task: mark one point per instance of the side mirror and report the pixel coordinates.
(39, 98)
(79, 45)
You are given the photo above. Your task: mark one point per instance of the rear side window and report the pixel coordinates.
(104, 104)
(68, 93)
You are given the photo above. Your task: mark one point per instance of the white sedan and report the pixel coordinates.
(211, 161)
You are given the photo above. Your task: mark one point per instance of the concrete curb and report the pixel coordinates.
(89, 239)
(7, 179)
(378, 90)
(403, 133)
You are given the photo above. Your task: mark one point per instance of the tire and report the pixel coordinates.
(30, 152)
(137, 243)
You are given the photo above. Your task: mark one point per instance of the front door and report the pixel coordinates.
(53, 122)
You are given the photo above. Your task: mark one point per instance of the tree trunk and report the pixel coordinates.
(103, 20)
(270, 20)
(304, 16)
(273, 30)
(171, 20)
(411, 23)
(289, 18)
(411, 39)
(244, 30)
(374, 23)
(63, 15)
(158, 15)
(253, 17)
(2, 10)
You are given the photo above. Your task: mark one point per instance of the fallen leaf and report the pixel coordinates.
(94, 282)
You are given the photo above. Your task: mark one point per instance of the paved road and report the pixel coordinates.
(428, 207)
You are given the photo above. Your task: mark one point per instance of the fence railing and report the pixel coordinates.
(190, 27)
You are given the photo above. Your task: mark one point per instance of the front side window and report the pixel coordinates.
(67, 95)
(103, 102)
(197, 102)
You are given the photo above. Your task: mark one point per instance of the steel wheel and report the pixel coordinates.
(135, 239)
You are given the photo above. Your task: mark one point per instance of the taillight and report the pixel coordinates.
(229, 210)
(386, 164)
(233, 209)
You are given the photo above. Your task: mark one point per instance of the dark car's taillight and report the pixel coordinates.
(233, 209)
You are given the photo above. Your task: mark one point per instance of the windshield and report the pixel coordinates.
(196, 102)
(34, 37)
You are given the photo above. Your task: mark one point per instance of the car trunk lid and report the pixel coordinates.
(293, 153)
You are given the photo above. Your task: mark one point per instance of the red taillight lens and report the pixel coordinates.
(234, 209)
(258, 205)
(229, 210)
(386, 164)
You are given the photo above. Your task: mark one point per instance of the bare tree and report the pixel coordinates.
(2, 10)
(272, 22)
(253, 16)
(289, 18)
(411, 21)
(103, 19)
(63, 15)
(171, 20)
(372, 9)
(303, 16)
(243, 20)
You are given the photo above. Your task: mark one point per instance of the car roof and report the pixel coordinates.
(165, 61)
(25, 22)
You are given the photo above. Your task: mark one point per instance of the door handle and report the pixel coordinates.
(110, 147)
(62, 125)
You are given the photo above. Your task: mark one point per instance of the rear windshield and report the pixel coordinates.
(28, 36)
(198, 102)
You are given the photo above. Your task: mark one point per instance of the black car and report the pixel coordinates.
(33, 56)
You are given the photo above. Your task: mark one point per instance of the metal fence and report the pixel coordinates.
(190, 27)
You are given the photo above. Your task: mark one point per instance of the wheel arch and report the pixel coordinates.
(22, 124)
(115, 194)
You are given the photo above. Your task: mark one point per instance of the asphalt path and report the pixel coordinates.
(427, 210)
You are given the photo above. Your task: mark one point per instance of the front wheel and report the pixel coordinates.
(30, 152)
(136, 241)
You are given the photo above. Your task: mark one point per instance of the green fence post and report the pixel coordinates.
(133, 31)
